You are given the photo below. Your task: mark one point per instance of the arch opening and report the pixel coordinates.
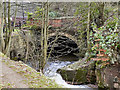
(61, 46)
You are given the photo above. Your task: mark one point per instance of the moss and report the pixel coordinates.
(67, 74)
(15, 58)
(81, 75)
(79, 72)
(74, 75)
(21, 72)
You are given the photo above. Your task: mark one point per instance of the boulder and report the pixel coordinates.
(79, 72)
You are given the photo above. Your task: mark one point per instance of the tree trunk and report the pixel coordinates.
(45, 39)
(9, 22)
(5, 25)
(46, 20)
(27, 47)
(119, 20)
(8, 37)
(88, 29)
(41, 60)
(2, 43)
(100, 18)
(15, 15)
(42, 29)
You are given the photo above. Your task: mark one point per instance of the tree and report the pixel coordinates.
(46, 26)
(88, 29)
(1, 28)
(83, 24)
(7, 28)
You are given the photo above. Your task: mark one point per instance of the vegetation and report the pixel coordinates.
(94, 25)
(103, 25)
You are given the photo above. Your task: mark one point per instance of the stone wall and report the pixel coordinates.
(25, 46)
(18, 45)
(108, 77)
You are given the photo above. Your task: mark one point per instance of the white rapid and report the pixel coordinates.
(51, 72)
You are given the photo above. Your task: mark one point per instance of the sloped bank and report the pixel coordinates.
(33, 78)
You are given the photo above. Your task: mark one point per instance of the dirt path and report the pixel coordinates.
(7, 75)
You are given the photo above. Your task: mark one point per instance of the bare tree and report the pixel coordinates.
(88, 29)
(8, 29)
(2, 43)
(45, 32)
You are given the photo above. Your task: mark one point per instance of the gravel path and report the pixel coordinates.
(7, 75)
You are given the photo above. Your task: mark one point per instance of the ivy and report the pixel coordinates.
(109, 40)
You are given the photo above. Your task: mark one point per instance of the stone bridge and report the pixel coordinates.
(64, 28)
(73, 38)
(66, 42)
(56, 22)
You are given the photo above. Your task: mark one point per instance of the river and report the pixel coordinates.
(54, 64)
(52, 67)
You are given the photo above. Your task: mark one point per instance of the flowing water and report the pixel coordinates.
(52, 67)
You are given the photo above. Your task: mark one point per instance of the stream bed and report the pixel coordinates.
(51, 72)
(52, 66)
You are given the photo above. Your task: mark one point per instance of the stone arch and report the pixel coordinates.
(65, 43)
(64, 34)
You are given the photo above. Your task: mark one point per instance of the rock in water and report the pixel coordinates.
(79, 73)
